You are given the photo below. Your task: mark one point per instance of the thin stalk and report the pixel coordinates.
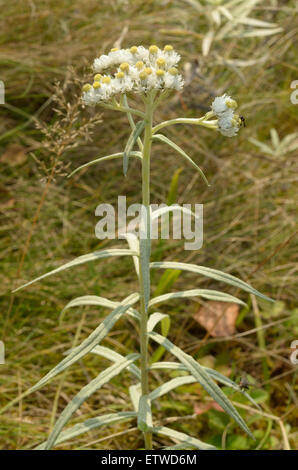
(146, 203)
(196, 122)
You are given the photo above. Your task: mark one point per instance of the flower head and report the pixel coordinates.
(137, 69)
(228, 122)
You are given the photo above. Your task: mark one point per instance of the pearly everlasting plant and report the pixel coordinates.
(153, 74)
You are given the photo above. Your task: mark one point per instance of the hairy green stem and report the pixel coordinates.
(146, 203)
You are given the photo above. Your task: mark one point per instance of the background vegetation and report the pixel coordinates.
(47, 219)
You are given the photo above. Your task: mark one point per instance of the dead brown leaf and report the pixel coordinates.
(218, 318)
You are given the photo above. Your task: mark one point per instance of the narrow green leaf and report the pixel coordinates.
(183, 438)
(203, 378)
(95, 384)
(135, 134)
(135, 392)
(214, 374)
(205, 293)
(86, 346)
(100, 302)
(113, 356)
(154, 319)
(144, 414)
(89, 424)
(178, 149)
(170, 385)
(83, 259)
(212, 273)
(102, 159)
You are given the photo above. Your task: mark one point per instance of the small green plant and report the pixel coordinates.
(153, 74)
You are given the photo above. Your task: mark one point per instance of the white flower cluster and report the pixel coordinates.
(136, 69)
(224, 109)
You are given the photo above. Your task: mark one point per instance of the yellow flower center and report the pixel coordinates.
(153, 49)
(134, 49)
(124, 67)
(168, 48)
(114, 49)
(106, 80)
(143, 75)
(148, 70)
(160, 72)
(119, 75)
(97, 77)
(96, 85)
(139, 65)
(87, 87)
(161, 62)
(173, 71)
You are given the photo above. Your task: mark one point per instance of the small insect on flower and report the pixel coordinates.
(243, 122)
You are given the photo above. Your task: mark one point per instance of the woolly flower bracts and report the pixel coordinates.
(228, 122)
(137, 70)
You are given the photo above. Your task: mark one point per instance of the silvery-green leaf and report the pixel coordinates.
(174, 146)
(135, 392)
(214, 374)
(172, 208)
(205, 293)
(113, 356)
(183, 438)
(168, 365)
(95, 384)
(144, 414)
(86, 346)
(203, 378)
(89, 424)
(100, 302)
(83, 259)
(102, 159)
(154, 319)
(170, 385)
(134, 245)
(212, 273)
(135, 134)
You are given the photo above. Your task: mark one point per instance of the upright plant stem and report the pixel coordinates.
(146, 203)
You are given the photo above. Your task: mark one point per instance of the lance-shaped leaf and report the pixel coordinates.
(203, 378)
(89, 424)
(178, 149)
(144, 414)
(135, 392)
(113, 356)
(212, 273)
(183, 438)
(135, 134)
(83, 259)
(214, 374)
(134, 245)
(95, 384)
(80, 351)
(102, 159)
(205, 293)
(101, 302)
(154, 319)
(170, 385)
